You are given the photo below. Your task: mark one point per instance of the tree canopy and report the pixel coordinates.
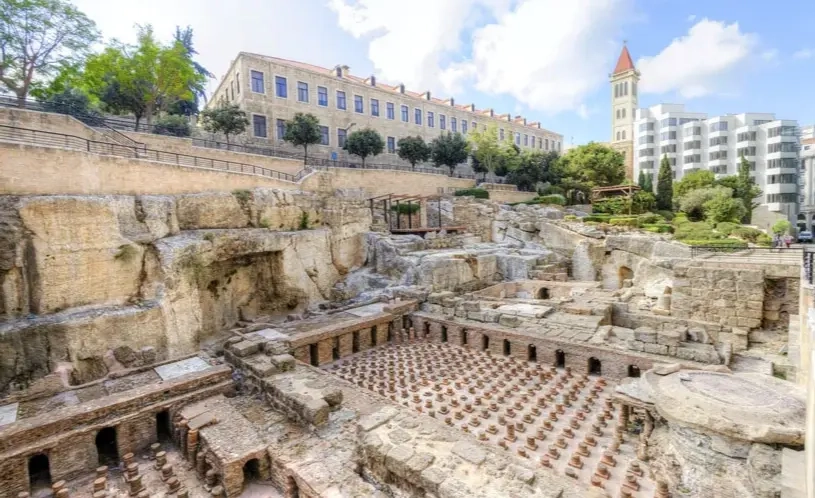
(533, 169)
(303, 130)
(37, 39)
(486, 151)
(228, 119)
(190, 107)
(449, 150)
(592, 165)
(701, 178)
(413, 149)
(665, 177)
(364, 143)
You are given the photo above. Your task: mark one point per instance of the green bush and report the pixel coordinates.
(781, 226)
(725, 243)
(405, 208)
(304, 221)
(667, 215)
(748, 233)
(597, 218)
(693, 230)
(478, 193)
(726, 227)
(570, 217)
(174, 126)
(549, 199)
(648, 218)
(626, 221)
(613, 205)
(551, 189)
(764, 240)
(658, 228)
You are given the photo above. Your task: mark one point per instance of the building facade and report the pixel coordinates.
(272, 90)
(693, 141)
(807, 181)
(623, 85)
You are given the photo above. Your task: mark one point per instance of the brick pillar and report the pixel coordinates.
(324, 351)
(345, 345)
(382, 332)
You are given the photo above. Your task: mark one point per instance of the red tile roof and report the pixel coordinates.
(624, 62)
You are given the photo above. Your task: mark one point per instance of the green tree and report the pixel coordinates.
(664, 185)
(449, 150)
(173, 125)
(642, 180)
(694, 202)
(744, 187)
(693, 180)
(74, 102)
(198, 88)
(648, 186)
(228, 119)
(593, 165)
(781, 227)
(477, 166)
(533, 169)
(37, 38)
(413, 149)
(486, 150)
(722, 207)
(147, 78)
(364, 143)
(303, 130)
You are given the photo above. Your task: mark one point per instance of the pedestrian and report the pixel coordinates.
(776, 240)
(788, 240)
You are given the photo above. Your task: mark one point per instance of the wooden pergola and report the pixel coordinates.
(599, 193)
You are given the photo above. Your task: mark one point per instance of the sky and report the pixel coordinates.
(547, 60)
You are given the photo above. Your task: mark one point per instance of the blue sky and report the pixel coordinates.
(545, 59)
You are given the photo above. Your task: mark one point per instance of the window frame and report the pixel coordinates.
(266, 125)
(251, 81)
(389, 111)
(361, 100)
(337, 100)
(285, 86)
(326, 94)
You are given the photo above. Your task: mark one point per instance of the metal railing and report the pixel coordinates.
(807, 264)
(729, 249)
(89, 119)
(61, 140)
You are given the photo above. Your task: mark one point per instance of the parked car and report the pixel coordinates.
(805, 237)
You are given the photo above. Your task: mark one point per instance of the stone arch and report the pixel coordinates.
(39, 471)
(633, 371)
(594, 366)
(543, 293)
(106, 446)
(252, 470)
(292, 489)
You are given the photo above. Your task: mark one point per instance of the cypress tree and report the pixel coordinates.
(642, 180)
(648, 186)
(664, 185)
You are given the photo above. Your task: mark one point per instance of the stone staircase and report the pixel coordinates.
(545, 270)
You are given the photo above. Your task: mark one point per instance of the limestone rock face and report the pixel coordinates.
(212, 210)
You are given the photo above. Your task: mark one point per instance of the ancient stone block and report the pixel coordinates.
(469, 452)
(668, 337)
(432, 477)
(646, 334)
(283, 362)
(418, 463)
(245, 348)
(635, 345)
(655, 348)
(509, 321)
(397, 460)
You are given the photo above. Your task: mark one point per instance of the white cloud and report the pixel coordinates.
(769, 54)
(691, 18)
(696, 64)
(550, 69)
(803, 54)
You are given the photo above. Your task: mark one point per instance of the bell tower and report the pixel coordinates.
(623, 82)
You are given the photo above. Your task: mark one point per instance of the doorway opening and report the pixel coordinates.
(633, 371)
(292, 489)
(624, 273)
(313, 359)
(39, 471)
(252, 470)
(543, 293)
(444, 334)
(355, 342)
(336, 347)
(560, 358)
(373, 337)
(594, 366)
(427, 331)
(485, 342)
(506, 347)
(464, 338)
(106, 446)
(163, 431)
(532, 355)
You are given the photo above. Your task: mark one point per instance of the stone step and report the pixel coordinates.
(794, 474)
(742, 363)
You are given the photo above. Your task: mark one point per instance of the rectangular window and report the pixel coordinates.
(303, 91)
(518, 138)
(646, 165)
(259, 126)
(646, 139)
(525, 140)
(389, 110)
(341, 100)
(718, 126)
(784, 131)
(358, 103)
(782, 147)
(280, 87)
(324, 135)
(717, 154)
(404, 113)
(418, 116)
(668, 135)
(781, 197)
(668, 122)
(746, 136)
(781, 163)
(464, 127)
(691, 158)
(717, 141)
(694, 144)
(232, 90)
(473, 125)
(687, 120)
(539, 142)
(758, 122)
(391, 145)
(666, 149)
(238, 83)
(257, 79)
(453, 125)
(646, 152)
(430, 119)
(501, 134)
(375, 107)
(341, 137)
(646, 126)
(281, 126)
(692, 131)
(442, 123)
(719, 170)
(322, 96)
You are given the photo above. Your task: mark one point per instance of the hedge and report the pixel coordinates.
(405, 208)
(657, 227)
(478, 193)
(724, 243)
(597, 218)
(543, 199)
(625, 221)
(748, 233)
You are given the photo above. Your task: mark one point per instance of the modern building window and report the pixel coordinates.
(358, 103)
(389, 110)
(718, 126)
(280, 87)
(390, 142)
(453, 125)
(281, 126)
(518, 138)
(672, 161)
(646, 152)
(324, 135)
(785, 131)
(341, 137)
(404, 113)
(257, 79)
(666, 122)
(719, 170)
(303, 91)
(758, 122)
(501, 134)
(464, 127)
(717, 141)
(442, 123)
(341, 100)
(259, 126)
(746, 136)
(784, 178)
(646, 127)
(691, 158)
(418, 116)
(781, 163)
(694, 144)
(322, 96)
(375, 107)
(770, 198)
(692, 131)
(646, 165)
(687, 120)
(782, 147)
(646, 139)
(667, 149)
(717, 154)
(430, 119)
(668, 135)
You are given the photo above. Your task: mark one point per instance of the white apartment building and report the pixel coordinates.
(807, 181)
(692, 141)
(271, 90)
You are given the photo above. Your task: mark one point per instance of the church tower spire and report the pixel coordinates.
(623, 81)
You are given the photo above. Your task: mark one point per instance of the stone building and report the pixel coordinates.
(624, 80)
(272, 90)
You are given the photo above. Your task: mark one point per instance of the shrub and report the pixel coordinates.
(550, 199)
(725, 243)
(242, 195)
(781, 226)
(647, 218)
(658, 228)
(478, 193)
(668, 215)
(726, 227)
(405, 208)
(174, 126)
(304, 221)
(570, 217)
(764, 240)
(694, 230)
(626, 221)
(748, 233)
(264, 223)
(551, 189)
(597, 218)
(613, 205)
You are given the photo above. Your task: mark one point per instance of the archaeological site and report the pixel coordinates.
(179, 320)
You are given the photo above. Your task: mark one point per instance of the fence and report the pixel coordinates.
(51, 139)
(728, 249)
(807, 264)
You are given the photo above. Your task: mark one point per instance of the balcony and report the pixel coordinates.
(780, 188)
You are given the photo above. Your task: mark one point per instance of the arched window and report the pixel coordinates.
(623, 113)
(616, 90)
(617, 136)
(623, 135)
